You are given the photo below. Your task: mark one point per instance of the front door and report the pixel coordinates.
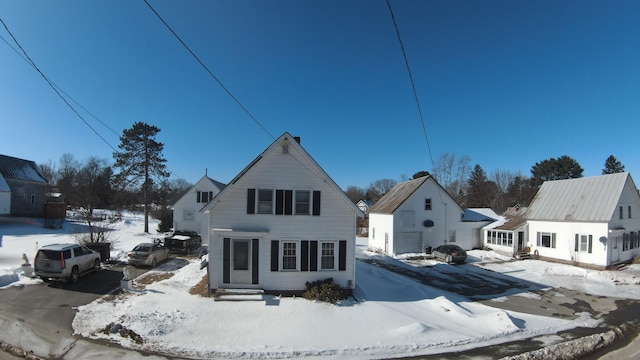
(521, 240)
(240, 261)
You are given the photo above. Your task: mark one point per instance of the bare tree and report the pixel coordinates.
(379, 188)
(452, 174)
(355, 193)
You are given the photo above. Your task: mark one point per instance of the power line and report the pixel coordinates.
(61, 90)
(207, 70)
(413, 85)
(33, 64)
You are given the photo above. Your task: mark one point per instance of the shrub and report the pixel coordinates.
(324, 290)
(636, 260)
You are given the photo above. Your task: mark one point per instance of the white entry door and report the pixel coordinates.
(240, 261)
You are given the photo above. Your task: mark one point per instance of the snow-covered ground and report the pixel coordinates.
(392, 316)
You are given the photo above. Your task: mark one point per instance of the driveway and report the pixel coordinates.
(38, 318)
(513, 294)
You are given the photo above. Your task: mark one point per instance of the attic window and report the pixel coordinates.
(285, 146)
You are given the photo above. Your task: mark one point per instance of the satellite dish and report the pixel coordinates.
(603, 239)
(428, 223)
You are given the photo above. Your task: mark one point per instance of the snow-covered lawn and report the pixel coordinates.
(392, 316)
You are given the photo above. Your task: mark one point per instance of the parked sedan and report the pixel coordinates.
(147, 254)
(450, 253)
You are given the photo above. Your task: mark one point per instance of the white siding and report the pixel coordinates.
(188, 202)
(565, 241)
(381, 225)
(277, 170)
(445, 214)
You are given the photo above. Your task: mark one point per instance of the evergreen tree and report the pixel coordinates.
(563, 167)
(480, 191)
(612, 166)
(140, 161)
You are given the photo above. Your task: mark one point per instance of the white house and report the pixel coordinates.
(364, 206)
(5, 197)
(473, 220)
(591, 221)
(508, 234)
(281, 222)
(186, 211)
(414, 215)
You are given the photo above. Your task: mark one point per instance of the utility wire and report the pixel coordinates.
(413, 85)
(52, 85)
(207, 70)
(61, 90)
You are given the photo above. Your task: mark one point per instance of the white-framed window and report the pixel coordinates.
(289, 255)
(427, 204)
(204, 196)
(583, 243)
(452, 236)
(303, 202)
(265, 201)
(188, 214)
(545, 239)
(327, 255)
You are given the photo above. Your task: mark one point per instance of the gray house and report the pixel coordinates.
(25, 189)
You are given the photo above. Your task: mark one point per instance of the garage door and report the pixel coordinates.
(410, 242)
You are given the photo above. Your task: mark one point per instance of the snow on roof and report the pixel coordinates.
(583, 199)
(480, 214)
(20, 169)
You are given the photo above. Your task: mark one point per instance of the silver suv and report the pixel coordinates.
(65, 262)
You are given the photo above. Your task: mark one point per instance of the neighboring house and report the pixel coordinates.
(473, 220)
(5, 197)
(591, 221)
(364, 206)
(186, 211)
(414, 215)
(508, 234)
(27, 185)
(281, 222)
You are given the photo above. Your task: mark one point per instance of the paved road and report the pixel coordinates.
(38, 317)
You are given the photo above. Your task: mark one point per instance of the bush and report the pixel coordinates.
(324, 290)
(636, 260)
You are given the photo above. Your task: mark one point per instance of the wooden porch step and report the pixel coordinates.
(522, 255)
(239, 295)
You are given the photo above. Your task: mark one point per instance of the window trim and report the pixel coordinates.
(295, 256)
(259, 210)
(296, 203)
(321, 255)
(428, 205)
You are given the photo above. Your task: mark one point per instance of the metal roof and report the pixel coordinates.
(19, 169)
(397, 195)
(583, 199)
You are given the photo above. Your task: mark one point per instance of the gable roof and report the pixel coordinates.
(479, 214)
(392, 200)
(583, 199)
(512, 219)
(19, 169)
(291, 141)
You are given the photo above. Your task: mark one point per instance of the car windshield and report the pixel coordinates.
(142, 248)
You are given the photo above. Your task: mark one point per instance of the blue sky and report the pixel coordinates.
(508, 83)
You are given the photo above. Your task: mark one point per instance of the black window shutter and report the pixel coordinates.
(288, 202)
(198, 196)
(254, 261)
(590, 243)
(279, 202)
(342, 255)
(251, 201)
(304, 255)
(316, 203)
(226, 260)
(577, 242)
(275, 245)
(314, 256)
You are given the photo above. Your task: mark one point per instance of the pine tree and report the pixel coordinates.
(612, 166)
(140, 162)
(563, 167)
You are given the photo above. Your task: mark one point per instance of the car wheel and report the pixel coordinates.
(44, 278)
(96, 265)
(75, 275)
(447, 259)
(153, 262)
